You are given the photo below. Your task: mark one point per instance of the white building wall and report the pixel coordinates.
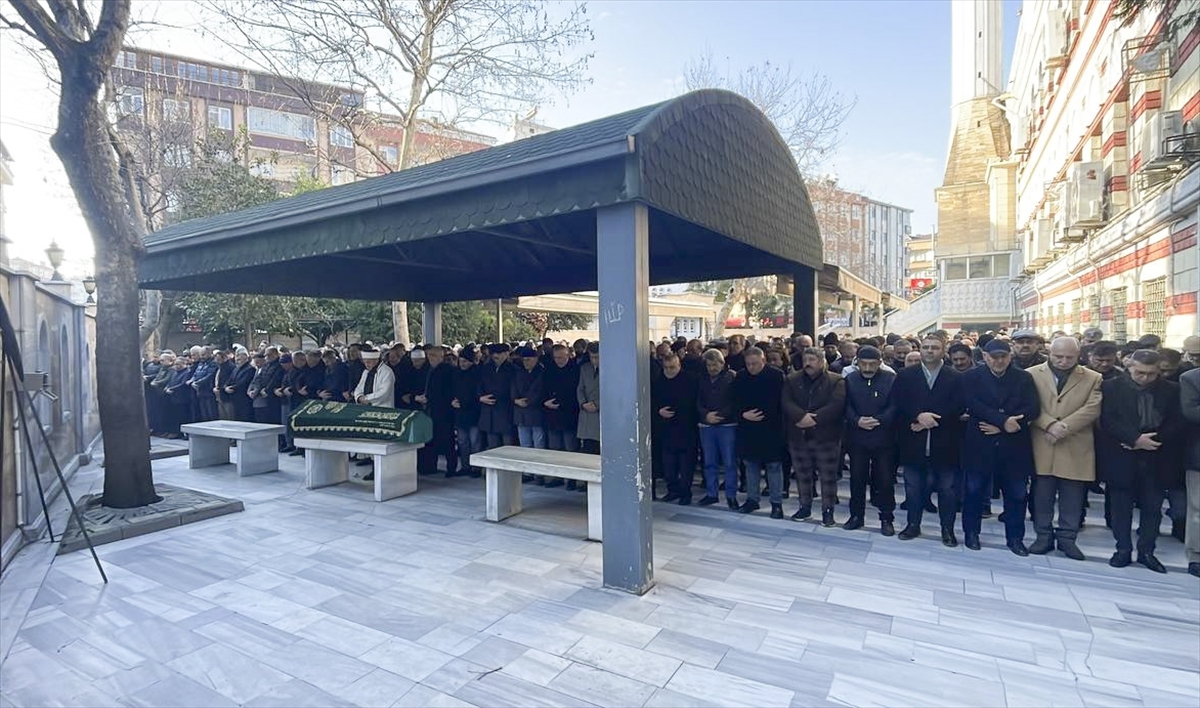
(976, 52)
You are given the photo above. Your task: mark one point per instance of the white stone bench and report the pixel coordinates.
(258, 445)
(506, 465)
(327, 462)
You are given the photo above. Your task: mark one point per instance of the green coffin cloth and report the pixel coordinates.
(332, 419)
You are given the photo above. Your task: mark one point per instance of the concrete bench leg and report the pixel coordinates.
(257, 455)
(206, 451)
(503, 494)
(395, 475)
(595, 517)
(323, 468)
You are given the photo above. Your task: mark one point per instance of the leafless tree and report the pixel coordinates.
(449, 61)
(83, 39)
(807, 110)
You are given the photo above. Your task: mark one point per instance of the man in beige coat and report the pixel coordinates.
(1063, 450)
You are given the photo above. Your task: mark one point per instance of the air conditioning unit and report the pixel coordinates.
(1054, 36)
(1155, 150)
(1085, 195)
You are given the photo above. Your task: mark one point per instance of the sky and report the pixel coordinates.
(893, 56)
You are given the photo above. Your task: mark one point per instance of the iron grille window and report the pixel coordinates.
(1077, 314)
(1094, 311)
(1154, 295)
(1119, 300)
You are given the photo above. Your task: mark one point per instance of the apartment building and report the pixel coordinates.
(862, 235)
(920, 267)
(294, 129)
(1105, 116)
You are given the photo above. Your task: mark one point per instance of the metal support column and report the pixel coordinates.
(431, 323)
(804, 301)
(855, 315)
(622, 264)
(499, 320)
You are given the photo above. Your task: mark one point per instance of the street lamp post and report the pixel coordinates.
(89, 286)
(55, 254)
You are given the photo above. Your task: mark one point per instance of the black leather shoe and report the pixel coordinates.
(853, 523)
(972, 542)
(777, 511)
(930, 508)
(1069, 549)
(707, 501)
(948, 538)
(987, 512)
(296, 452)
(887, 528)
(367, 462)
(904, 505)
(685, 501)
(1018, 547)
(369, 477)
(670, 498)
(801, 514)
(733, 503)
(1148, 560)
(1120, 559)
(910, 532)
(1194, 569)
(1042, 545)
(749, 507)
(827, 518)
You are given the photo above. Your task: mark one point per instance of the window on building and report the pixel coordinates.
(1077, 314)
(1001, 266)
(979, 267)
(176, 111)
(1061, 321)
(125, 60)
(390, 154)
(339, 136)
(156, 65)
(172, 201)
(1119, 299)
(1154, 295)
(281, 123)
(1094, 311)
(220, 117)
(262, 168)
(131, 102)
(351, 99)
(956, 269)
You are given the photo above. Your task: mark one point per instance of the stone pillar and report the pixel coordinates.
(623, 273)
(855, 314)
(431, 323)
(499, 320)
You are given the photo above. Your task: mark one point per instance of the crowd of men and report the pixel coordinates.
(968, 418)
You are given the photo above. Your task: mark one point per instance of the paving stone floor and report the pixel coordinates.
(328, 598)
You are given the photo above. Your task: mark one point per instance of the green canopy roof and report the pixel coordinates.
(725, 198)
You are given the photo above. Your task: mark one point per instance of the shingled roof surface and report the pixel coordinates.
(725, 197)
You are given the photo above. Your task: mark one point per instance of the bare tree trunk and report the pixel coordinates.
(400, 323)
(82, 143)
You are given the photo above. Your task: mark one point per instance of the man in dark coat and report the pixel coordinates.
(757, 402)
(1026, 346)
(436, 401)
(204, 375)
(268, 406)
(334, 381)
(527, 397)
(718, 426)
(465, 402)
(237, 386)
(1138, 453)
(673, 429)
(561, 408)
(1002, 403)
(225, 368)
(871, 439)
(289, 393)
(1189, 395)
(928, 405)
(814, 402)
(411, 376)
(354, 370)
(495, 396)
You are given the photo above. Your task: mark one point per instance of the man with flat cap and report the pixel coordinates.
(1002, 403)
(871, 439)
(1026, 346)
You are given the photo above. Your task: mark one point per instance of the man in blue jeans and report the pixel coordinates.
(718, 429)
(757, 401)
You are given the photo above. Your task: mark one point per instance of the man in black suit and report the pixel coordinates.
(1138, 455)
(1002, 402)
(673, 400)
(929, 402)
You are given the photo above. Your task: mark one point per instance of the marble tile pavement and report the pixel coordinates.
(328, 598)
